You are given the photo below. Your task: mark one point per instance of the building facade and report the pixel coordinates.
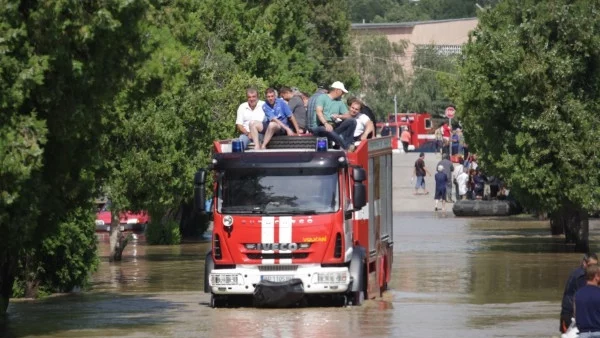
(447, 36)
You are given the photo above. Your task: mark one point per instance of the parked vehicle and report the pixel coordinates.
(419, 125)
(299, 222)
(128, 221)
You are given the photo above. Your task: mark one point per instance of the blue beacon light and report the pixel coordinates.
(321, 144)
(237, 146)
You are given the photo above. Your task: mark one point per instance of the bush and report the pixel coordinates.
(158, 233)
(63, 261)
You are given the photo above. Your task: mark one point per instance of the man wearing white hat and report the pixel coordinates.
(341, 132)
(440, 187)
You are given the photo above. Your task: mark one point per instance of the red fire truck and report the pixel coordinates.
(299, 222)
(419, 125)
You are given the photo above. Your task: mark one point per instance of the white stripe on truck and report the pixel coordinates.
(285, 236)
(267, 235)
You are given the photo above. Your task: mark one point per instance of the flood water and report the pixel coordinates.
(452, 277)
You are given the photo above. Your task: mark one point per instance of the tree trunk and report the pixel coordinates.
(574, 223)
(7, 279)
(118, 242)
(557, 224)
(31, 283)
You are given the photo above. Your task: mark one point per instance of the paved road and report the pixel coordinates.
(404, 200)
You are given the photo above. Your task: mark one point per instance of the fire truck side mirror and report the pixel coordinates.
(359, 174)
(199, 190)
(359, 196)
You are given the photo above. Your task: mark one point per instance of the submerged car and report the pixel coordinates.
(128, 220)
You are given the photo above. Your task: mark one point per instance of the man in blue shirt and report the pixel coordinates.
(587, 304)
(278, 116)
(575, 282)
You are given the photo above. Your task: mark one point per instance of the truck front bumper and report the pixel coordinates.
(244, 279)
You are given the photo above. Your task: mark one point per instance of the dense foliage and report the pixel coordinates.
(163, 233)
(413, 10)
(529, 95)
(125, 98)
(61, 64)
(63, 260)
(426, 92)
(378, 64)
(381, 75)
(202, 56)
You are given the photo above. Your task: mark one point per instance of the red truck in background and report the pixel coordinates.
(129, 221)
(296, 223)
(420, 126)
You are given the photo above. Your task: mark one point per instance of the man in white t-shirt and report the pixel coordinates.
(364, 125)
(251, 110)
(461, 181)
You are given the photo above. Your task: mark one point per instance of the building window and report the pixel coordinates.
(443, 49)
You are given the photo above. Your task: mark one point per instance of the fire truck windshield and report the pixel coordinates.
(278, 191)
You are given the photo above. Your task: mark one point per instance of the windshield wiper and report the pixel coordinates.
(242, 209)
(289, 211)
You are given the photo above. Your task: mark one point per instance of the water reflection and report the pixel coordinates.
(452, 277)
(153, 268)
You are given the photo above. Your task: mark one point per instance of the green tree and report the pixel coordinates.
(426, 93)
(407, 10)
(202, 56)
(530, 79)
(61, 64)
(179, 102)
(381, 75)
(367, 10)
(64, 259)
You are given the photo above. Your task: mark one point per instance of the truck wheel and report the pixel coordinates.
(359, 276)
(209, 265)
(356, 298)
(217, 301)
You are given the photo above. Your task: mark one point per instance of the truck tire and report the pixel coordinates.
(218, 301)
(209, 265)
(357, 271)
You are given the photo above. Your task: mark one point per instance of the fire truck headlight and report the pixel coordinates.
(304, 245)
(227, 221)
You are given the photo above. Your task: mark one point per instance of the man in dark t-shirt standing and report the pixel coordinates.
(587, 304)
(420, 172)
(575, 282)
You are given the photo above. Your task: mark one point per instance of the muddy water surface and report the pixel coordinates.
(452, 277)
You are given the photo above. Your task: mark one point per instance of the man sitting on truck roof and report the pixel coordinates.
(364, 126)
(311, 109)
(278, 114)
(338, 130)
(296, 104)
(251, 110)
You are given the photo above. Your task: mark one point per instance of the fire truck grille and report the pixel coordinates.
(277, 255)
(277, 267)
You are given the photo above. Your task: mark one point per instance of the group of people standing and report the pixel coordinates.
(581, 299)
(323, 114)
(452, 182)
(450, 141)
